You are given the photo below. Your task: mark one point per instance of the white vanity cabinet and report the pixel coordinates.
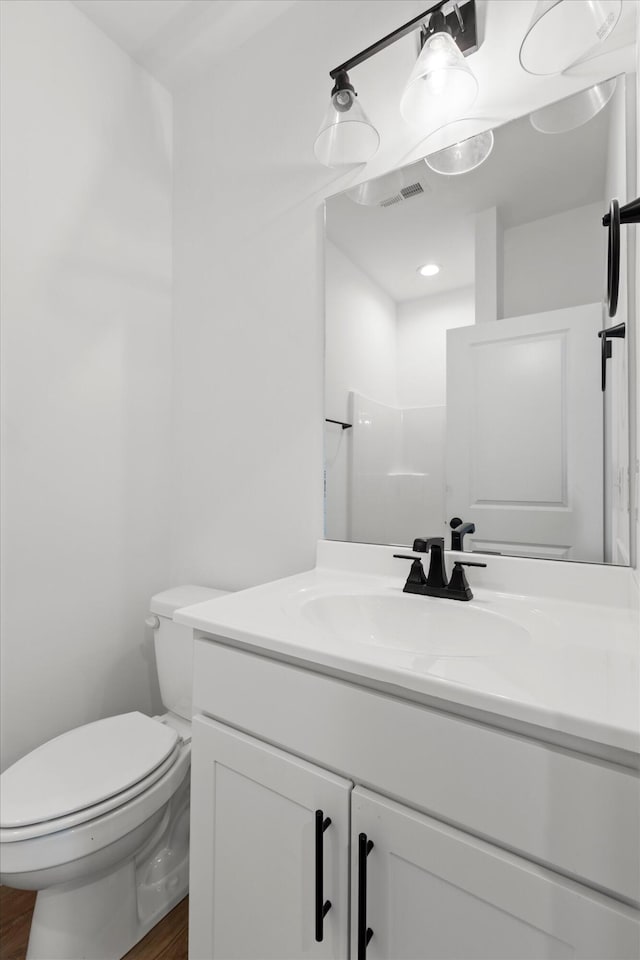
(256, 847)
(536, 828)
(435, 893)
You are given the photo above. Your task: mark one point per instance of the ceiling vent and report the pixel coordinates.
(412, 190)
(392, 188)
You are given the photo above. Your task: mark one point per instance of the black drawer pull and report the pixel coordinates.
(364, 932)
(322, 906)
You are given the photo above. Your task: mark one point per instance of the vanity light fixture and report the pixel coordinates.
(563, 31)
(346, 136)
(428, 270)
(462, 157)
(440, 87)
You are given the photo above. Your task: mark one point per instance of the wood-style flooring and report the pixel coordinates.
(166, 941)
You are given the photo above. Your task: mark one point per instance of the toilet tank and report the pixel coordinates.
(174, 645)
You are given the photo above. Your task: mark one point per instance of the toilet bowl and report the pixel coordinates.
(97, 820)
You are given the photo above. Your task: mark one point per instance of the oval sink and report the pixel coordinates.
(424, 625)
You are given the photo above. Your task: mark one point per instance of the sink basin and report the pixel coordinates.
(421, 625)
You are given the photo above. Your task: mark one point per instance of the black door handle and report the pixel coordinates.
(365, 933)
(322, 906)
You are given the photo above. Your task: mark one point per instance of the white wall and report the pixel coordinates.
(489, 266)
(422, 344)
(422, 373)
(86, 273)
(360, 336)
(554, 262)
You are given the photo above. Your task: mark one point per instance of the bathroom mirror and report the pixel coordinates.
(475, 392)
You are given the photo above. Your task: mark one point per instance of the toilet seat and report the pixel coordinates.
(56, 854)
(28, 832)
(85, 773)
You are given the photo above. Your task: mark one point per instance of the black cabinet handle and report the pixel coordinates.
(364, 932)
(322, 906)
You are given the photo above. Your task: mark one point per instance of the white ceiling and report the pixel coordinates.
(527, 176)
(173, 39)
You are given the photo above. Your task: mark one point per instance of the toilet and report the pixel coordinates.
(97, 819)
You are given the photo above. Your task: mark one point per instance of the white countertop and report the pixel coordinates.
(573, 667)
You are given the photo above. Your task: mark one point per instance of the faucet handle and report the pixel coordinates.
(416, 579)
(459, 588)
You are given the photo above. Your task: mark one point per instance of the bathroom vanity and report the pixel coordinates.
(366, 782)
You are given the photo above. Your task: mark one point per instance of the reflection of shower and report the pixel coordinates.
(396, 476)
(336, 459)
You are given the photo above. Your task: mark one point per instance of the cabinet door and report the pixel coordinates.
(256, 848)
(435, 892)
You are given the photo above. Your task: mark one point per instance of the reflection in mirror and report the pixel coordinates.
(474, 390)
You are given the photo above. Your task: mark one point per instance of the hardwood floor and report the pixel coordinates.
(16, 907)
(166, 941)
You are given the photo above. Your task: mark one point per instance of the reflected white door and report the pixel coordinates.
(524, 457)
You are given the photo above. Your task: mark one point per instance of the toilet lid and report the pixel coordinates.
(83, 767)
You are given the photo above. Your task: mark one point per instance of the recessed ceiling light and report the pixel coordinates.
(429, 270)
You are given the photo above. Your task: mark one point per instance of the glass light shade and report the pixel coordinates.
(463, 156)
(441, 85)
(573, 111)
(562, 31)
(346, 136)
(371, 193)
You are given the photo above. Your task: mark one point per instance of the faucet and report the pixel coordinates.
(437, 577)
(458, 530)
(436, 584)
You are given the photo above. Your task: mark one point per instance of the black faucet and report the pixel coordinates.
(437, 576)
(436, 583)
(458, 530)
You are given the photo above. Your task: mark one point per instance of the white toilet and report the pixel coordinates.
(97, 820)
